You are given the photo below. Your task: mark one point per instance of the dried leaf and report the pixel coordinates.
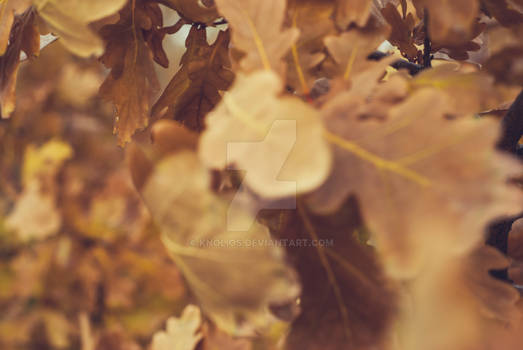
(251, 122)
(350, 51)
(35, 215)
(263, 42)
(352, 11)
(24, 37)
(69, 19)
(444, 179)
(468, 92)
(347, 303)
(192, 10)
(222, 267)
(401, 34)
(181, 333)
(8, 10)
(132, 81)
(314, 21)
(195, 88)
(450, 22)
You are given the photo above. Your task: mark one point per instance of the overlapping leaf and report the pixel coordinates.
(417, 171)
(347, 302)
(24, 37)
(132, 81)
(251, 122)
(222, 267)
(8, 10)
(313, 19)
(70, 20)
(263, 41)
(195, 88)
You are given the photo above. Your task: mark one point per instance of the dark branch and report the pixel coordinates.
(427, 45)
(512, 126)
(413, 68)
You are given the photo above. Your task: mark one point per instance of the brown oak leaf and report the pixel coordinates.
(132, 80)
(251, 122)
(263, 41)
(417, 171)
(195, 88)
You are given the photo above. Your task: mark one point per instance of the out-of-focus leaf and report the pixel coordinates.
(352, 11)
(468, 92)
(192, 10)
(8, 10)
(195, 88)
(35, 215)
(70, 20)
(234, 279)
(314, 21)
(252, 122)
(347, 302)
(450, 22)
(515, 251)
(263, 41)
(350, 51)
(504, 11)
(132, 81)
(181, 333)
(457, 299)
(506, 52)
(24, 37)
(445, 179)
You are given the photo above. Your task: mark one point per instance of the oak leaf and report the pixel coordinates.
(181, 333)
(263, 41)
(313, 19)
(417, 170)
(132, 80)
(450, 22)
(192, 10)
(24, 37)
(35, 215)
(195, 88)
(352, 11)
(8, 11)
(252, 122)
(70, 20)
(347, 302)
(234, 279)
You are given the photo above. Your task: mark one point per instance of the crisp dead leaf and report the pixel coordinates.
(401, 34)
(24, 37)
(222, 267)
(181, 333)
(444, 179)
(69, 19)
(264, 124)
(132, 81)
(195, 88)
(263, 41)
